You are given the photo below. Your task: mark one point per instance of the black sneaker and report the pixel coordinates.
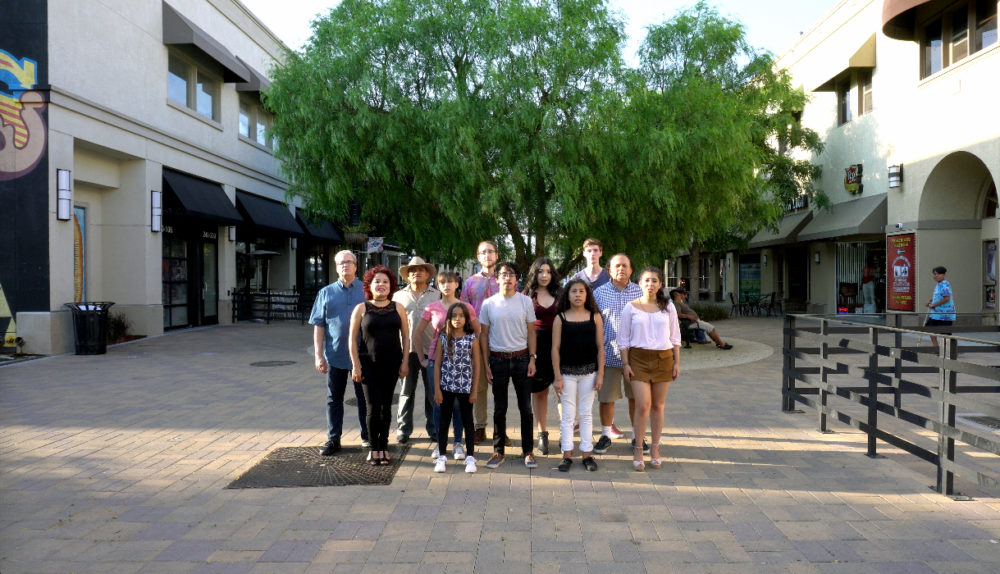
(331, 448)
(645, 447)
(603, 444)
(565, 464)
(589, 463)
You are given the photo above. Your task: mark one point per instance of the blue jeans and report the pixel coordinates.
(336, 385)
(505, 370)
(456, 417)
(407, 398)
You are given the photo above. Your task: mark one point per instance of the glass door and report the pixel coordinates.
(209, 282)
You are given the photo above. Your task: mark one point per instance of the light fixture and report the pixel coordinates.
(763, 259)
(816, 257)
(64, 194)
(156, 210)
(295, 243)
(232, 233)
(895, 175)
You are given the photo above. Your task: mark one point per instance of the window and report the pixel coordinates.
(864, 92)
(255, 122)
(843, 102)
(192, 86)
(968, 27)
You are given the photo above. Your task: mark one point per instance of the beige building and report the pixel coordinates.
(904, 96)
(157, 188)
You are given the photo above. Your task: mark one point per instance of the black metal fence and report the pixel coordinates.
(271, 305)
(848, 367)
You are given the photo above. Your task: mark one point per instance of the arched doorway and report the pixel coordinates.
(958, 228)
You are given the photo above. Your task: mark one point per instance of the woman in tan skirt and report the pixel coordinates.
(650, 344)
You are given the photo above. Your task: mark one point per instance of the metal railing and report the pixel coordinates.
(951, 390)
(270, 305)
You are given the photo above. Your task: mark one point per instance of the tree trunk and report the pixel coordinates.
(694, 277)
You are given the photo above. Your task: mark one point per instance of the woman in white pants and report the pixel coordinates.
(578, 363)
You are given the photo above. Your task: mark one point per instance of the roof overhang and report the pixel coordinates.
(257, 82)
(863, 58)
(267, 214)
(899, 18)
(178, 30)
(866, 216)
(319, 229)
(199, 198)
(788, 231)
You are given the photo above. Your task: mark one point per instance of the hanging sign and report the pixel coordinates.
(852, 179)
(375, 244)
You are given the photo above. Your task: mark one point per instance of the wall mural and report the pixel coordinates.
(22, 120)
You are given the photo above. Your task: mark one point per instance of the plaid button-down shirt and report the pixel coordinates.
(612, 301)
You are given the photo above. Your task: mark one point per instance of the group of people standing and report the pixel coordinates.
(596, 336)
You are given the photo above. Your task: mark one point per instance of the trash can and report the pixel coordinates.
(90, 326)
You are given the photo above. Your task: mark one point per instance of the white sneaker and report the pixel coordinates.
(459, 451)
(439, 465)
(470, 464)
(437, 452)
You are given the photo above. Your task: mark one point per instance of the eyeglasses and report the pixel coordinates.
(487, 251)
(507, 275)
(347, 262)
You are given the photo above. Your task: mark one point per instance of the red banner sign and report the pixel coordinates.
(900, 251)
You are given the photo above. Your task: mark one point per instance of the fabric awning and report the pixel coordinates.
(790, 227)
(899, 18)
(196, 197)
(178, 30)
(257, 81)
(863, 57)
(267, 214)
(321, 230)
(866, 216)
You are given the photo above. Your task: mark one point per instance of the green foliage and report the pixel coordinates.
(450, 121)
(118, 327)
(710, 313)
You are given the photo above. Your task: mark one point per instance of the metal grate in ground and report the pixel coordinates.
(304, 466)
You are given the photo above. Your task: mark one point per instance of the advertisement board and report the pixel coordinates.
(900, 255)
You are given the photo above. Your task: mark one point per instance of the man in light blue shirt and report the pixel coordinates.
(331, 318)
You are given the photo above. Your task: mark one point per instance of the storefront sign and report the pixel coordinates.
(209, 235)
(852, 179)
(900, 251)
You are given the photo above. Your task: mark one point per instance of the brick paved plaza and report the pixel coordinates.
(119, 463)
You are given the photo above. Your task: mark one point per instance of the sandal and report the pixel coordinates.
(565, 464)
(372, 458)
(654, 461)
(385, 460)
(638, 464)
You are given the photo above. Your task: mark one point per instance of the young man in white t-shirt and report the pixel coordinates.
(508, 344)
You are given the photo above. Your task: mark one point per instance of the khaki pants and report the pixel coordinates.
(479, 408)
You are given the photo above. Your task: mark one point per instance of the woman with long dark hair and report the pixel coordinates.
(381, 323)
(650, 344)
(543, 288)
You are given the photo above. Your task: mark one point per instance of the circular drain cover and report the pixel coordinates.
(272, 363)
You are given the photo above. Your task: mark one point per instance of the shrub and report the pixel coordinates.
(118, 326)
(710, 313)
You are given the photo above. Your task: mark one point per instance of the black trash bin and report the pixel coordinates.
(90, 326)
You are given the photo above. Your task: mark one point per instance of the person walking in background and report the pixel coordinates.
(415, 298)
(578, 360)
(435, 317)
(941, 303)
(593, 273)
(543, 288)
(381, 323)
(507, 320)
(612, 297)
(477, 289)
(650, 344)
(456, 364)
(331, 320)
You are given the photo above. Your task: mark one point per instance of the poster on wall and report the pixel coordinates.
(900, 251)
(750, 279)
(989, 274)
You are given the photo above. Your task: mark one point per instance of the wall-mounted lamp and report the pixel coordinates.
(895, 175)
(763, 259)
(816, 257)
(64, 194)
(232, 233)
(295, 243)
(156, 210)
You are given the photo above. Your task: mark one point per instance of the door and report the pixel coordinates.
(209, 272)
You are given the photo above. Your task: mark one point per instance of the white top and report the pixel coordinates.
(507, 318)
(657, 331)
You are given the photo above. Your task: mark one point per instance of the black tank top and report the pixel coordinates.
(380, 332)
(578, 346)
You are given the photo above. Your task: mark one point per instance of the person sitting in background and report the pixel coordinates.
(684, 312)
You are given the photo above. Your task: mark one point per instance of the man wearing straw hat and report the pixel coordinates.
(414, 298)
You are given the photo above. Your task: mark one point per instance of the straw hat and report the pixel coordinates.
(417, 262)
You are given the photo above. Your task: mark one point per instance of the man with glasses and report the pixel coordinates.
(331, 320)
(477, 289)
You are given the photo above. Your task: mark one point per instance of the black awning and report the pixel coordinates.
(320, 230)
(199, 198)
(267, 214)
(179, 30)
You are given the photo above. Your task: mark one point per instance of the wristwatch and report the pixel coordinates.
(533, 355)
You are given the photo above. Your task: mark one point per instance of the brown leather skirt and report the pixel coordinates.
(651, 366)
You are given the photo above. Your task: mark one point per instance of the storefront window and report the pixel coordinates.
(861, 277)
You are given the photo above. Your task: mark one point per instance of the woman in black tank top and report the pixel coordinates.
(578, 362)
(381, 323)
